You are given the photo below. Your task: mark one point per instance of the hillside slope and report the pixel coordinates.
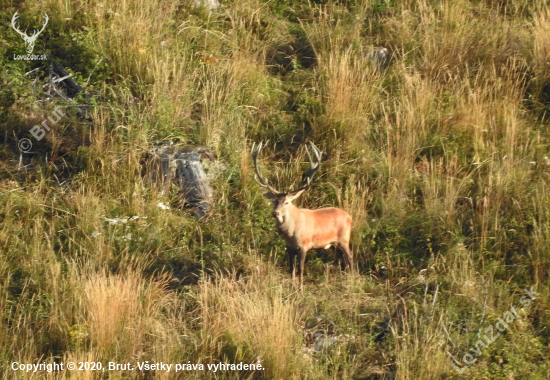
(440, 157)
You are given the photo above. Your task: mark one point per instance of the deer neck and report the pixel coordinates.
(290, 221)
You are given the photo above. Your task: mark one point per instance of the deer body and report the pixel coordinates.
(314, 229)
(304, 229)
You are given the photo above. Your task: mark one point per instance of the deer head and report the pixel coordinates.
(282, 200)
(29, 40)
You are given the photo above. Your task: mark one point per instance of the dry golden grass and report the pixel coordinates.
(256, 317)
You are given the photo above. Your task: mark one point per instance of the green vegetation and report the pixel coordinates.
(440, 158)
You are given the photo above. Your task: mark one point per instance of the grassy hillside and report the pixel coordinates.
(441, 159)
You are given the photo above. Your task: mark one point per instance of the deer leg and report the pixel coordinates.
(341, 258)
(347, 257)
(291, 261)
(302, 254)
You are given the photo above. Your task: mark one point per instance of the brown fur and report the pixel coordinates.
(304, 229)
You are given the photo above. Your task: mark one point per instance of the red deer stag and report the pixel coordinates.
(304, 229)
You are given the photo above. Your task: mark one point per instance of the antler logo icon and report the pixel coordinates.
(29, 40)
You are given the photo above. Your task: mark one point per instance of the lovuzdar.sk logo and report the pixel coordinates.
(29, 40)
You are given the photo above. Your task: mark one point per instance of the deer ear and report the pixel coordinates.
(270, 195)
(293, 195)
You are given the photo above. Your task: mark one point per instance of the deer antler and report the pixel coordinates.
(313, 167)
(258, 177)
(36, 33)
(16, 28)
